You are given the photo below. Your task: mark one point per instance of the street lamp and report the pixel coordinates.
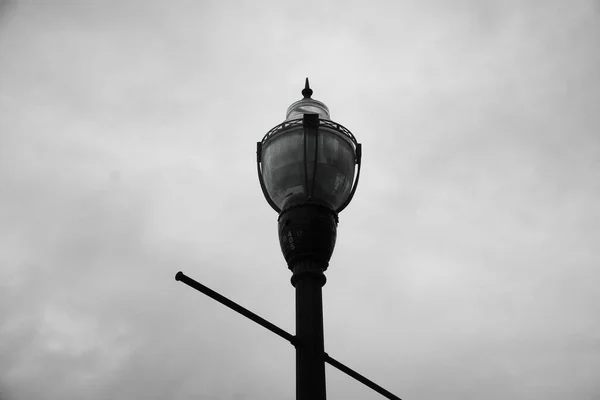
(308, 168)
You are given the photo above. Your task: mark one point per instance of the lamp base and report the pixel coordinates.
(307, 232)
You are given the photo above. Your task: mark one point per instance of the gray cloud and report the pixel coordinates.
(464, 267)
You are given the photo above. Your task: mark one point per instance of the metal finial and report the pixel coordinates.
(307, 91)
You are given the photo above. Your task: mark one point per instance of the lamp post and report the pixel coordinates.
(306, 168)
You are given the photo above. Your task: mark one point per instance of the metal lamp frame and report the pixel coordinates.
(309, 121)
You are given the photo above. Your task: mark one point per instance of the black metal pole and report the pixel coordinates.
(310, 361)
(180, 276)
(307, 235)
(309, 301)
(365, 381)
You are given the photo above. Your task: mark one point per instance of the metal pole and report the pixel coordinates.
(367, 382)
(309, 305)
(307, 235)
(180, 276)
(310, 354)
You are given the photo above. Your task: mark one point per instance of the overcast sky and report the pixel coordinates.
(466, 266)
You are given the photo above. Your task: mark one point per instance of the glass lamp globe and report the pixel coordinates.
(308, 159)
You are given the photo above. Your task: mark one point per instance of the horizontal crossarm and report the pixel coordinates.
(367, 382)
(235, 307)
(180, 276)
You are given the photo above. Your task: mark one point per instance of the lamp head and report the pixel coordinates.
(308, 158)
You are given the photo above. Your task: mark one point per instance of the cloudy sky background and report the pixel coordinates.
(466, 267)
